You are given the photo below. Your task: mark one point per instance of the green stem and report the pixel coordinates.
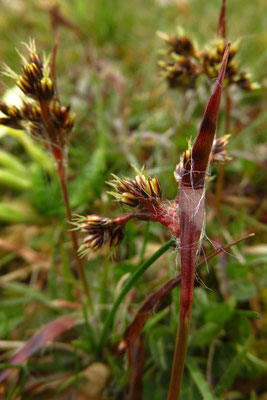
(138, 273)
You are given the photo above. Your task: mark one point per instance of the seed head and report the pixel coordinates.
(178, 172)
(183, 62)
(219, 150)
(99, 231)
(42, 115)
(136, 192)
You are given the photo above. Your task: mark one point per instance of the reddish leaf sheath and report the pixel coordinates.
(191, 200)
(195, 169)
(191, 190)
(47, 333)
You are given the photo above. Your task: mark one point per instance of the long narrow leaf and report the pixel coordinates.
(232, 371)
(47, 333)
(199, 380)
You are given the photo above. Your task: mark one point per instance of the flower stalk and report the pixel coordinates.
(42, 115)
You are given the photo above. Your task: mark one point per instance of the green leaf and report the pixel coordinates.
(67, 275)
(46, 194)
(243, 290)
(160, 343)
(219, 313)
(199, 379)
(14, 180)
(12, 163)
(90, 179)
(33, 149)
(248, 313)
(28, 291)
(233, 369)
(204, 335)
(237, 270)
(16, 212)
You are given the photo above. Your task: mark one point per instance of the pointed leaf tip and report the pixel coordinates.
(224, 64)
(203, 143)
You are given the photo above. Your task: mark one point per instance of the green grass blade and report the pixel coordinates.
(134, 278)
(199, 380)
(234, 367)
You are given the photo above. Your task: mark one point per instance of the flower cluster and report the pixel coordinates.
(179, 66)
(141, 193)
(41, 113)
(219, 150)
(144, 193)
(99, 231)
(183, 62)
(137, 192)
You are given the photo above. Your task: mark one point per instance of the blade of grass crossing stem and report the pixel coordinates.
(191, 214)
(199, 380)
(137, 274)
(134, 329)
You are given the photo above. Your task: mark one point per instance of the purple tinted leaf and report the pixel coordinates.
(191, 195)
(47, 333)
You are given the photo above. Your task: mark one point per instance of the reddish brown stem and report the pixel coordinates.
(75, 245)
(134, 329)
(143, 216)
(221, 29)
(58, 154)
(179, 355)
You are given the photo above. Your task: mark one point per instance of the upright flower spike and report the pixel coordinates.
(43, 116)
(191, 199)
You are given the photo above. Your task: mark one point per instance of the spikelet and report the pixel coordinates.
(136, 192)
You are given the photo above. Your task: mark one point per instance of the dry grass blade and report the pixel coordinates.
(47, 333)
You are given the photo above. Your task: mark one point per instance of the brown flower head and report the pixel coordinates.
(179, 65)
(137, 192)
(219, 150)
(99, 231)
(41, 113)
(182, 62)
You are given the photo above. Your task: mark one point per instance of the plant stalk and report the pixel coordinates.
(57, 151)
(65, 195)
(179, 356)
